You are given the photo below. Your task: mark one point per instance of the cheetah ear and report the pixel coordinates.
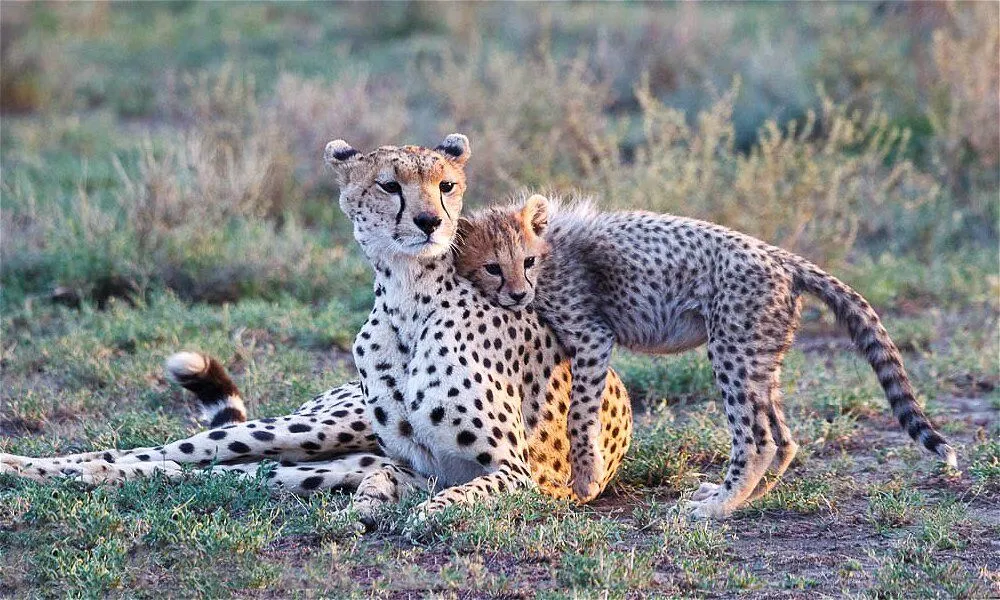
(536, 214)
(338, 151)
(455, 148)
(339, 155)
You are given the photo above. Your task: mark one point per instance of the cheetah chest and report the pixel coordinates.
(426, 384)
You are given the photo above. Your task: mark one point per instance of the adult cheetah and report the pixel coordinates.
(456, 387)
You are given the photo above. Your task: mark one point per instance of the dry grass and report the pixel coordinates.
(967, 105)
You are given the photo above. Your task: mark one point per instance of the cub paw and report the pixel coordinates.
(587, 479)
(586, 490)
(705, 491)
(711, 508)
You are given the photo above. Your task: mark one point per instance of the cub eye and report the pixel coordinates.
(493, 269)
(446, 186)
(529, 262)
(391, 187)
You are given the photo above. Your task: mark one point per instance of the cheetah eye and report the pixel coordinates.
(529, 262)
(493, 269)
(446, 186)
(391, 187)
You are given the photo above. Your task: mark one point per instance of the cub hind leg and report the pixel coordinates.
(746, 351)
(786, 448)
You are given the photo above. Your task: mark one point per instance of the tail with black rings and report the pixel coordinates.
(872, 341)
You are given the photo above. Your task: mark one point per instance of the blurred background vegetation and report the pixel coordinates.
(175, 148)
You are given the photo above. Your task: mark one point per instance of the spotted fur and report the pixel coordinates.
(456, 387)
(664, 284)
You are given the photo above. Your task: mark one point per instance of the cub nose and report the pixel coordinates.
(518, 297)
(427, 222)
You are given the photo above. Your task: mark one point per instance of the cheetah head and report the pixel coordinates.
(500, 250)
(402, 200)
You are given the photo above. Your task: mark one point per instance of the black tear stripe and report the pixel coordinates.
(402, 200)
(443, 207)
(402, 207)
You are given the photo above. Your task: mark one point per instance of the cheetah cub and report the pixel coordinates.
(663, 284)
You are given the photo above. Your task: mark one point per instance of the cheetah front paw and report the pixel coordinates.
(367, 509)
(586, 490)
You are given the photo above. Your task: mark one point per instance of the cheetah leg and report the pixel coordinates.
(746, 405)
(504, 479)
(753, 450)
(786, 446)
(92, 472)
(748, 378)
(332, 424)
(785, 452)
(386, 485)
(591, 358)
(341, 473)
(344, 472)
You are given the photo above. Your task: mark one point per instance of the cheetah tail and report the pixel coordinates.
(221, 403)
(872, 340)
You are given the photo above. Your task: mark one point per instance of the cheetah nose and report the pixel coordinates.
(518, 297)
(427, 222)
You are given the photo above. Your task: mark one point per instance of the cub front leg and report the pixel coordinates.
(591, 354)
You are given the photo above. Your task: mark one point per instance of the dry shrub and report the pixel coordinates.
(532, 121)
(810, 187)
(201, 179)
(312, 112)
(966, 111)
(231, 158)
(22, 63)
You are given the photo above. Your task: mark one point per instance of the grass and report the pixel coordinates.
(868, 488)
(160, 195)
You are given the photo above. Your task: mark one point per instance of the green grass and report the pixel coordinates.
(81, 389)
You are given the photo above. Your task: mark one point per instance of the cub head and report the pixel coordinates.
(501, 249)
(402, 200)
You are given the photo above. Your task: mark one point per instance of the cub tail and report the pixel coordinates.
(206, 378)
(873, 341)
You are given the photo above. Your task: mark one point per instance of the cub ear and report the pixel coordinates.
(536, 214)
(455, 148)
(339, 154)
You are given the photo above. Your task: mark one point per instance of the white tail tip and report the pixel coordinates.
(948, 454)
(185, 364)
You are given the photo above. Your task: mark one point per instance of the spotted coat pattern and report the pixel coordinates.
(457, 388)
(663, 284)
